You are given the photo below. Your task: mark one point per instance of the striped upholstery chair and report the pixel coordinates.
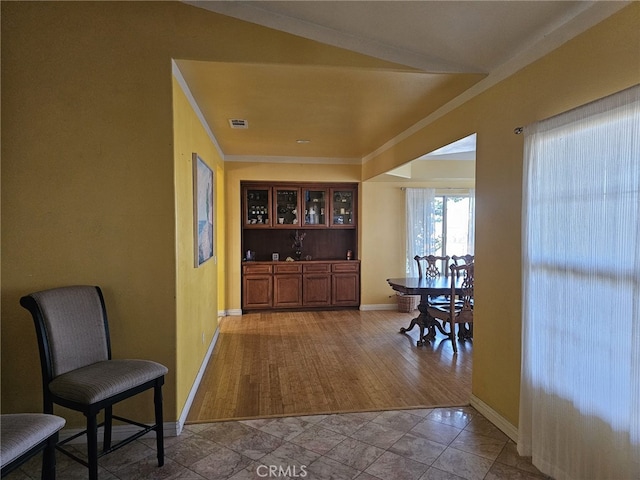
(23, 435)
(78, 372)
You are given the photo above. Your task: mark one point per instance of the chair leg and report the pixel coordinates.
(157, 400)
(49, 458)
(452, 334)
(92, 446)
(108, 425)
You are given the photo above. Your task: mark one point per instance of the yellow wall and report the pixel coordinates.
(599, 62)
(87, 185)
(196, 288)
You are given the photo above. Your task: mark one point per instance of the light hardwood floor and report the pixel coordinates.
(302, 363)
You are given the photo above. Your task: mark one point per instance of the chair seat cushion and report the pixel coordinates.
(101, 380)
(20, 432)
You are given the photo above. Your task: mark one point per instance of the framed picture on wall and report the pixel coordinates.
(203, 210)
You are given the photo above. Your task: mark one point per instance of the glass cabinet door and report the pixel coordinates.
(257, 202)
(286, 206)
(315, 207)
(343, 208)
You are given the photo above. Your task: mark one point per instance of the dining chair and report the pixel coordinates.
(78, 372)
(459, 311)
(431, 265)
(462, 259)
(24, 435)
(431, 270)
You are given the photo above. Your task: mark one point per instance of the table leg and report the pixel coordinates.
(424, 321)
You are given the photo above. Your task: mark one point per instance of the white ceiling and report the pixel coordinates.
(446, 51)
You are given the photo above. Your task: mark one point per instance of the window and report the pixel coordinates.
(438, 225)
(452, 220)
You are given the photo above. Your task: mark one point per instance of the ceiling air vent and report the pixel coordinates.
(238, 123)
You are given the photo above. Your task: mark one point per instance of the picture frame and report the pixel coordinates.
(203, 223)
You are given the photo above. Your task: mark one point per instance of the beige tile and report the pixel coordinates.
(436, 431)
(398, 420)
(318, 439)
(418, 448)
(455, 417)
(418, 412)
(500, 471)
(472, 442)
(344, 424)
(481, 425)
(326, 468)
(390, 466)
(463, 464)
(377, 435)
(255, 444)
(285, 428)
(436, 474)
(220, 464)
(190, 450)
(150, 471)
(289, 455)
(355, 454)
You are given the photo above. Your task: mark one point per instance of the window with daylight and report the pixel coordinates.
(438, 225)
(453, 225)
(580, 383)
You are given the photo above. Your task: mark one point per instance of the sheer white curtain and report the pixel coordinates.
(580, 386)
(471, 232)
(420, 225)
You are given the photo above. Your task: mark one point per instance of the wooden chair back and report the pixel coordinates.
(464, 305)
(431, 265)
(462, 259)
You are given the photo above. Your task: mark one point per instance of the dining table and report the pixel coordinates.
(428, 288)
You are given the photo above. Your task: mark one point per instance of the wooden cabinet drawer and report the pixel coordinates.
(256, 268)
(287, 267)
(345, 267)
(317, 268)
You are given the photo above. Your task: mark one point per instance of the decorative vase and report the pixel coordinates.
(298, 254)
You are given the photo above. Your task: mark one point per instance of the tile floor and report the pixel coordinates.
(425, 444)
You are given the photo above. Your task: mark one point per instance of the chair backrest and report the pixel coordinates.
(462, 259)
(431, 264)
(465, 292)
(71, 326)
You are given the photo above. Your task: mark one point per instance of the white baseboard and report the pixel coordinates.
(230, 313)
(379, 306)
(494, 417)
(196, 383)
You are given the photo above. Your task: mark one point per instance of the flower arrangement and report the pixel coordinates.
(297, 239)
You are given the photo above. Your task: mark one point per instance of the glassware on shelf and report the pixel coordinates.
(342, 208)
(315, 207)
(257, 207)
(287, 206)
